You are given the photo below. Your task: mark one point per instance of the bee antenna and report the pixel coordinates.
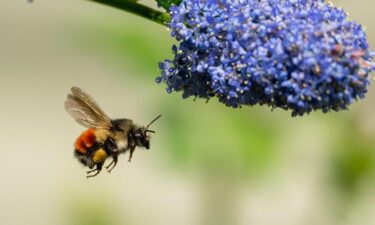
(150, 131)
(152, 123)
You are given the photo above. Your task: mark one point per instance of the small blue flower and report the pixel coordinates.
(298, 55)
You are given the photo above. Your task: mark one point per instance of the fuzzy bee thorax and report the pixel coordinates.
(101, 135)
(121, 140)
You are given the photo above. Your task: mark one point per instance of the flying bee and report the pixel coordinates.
(104, 137)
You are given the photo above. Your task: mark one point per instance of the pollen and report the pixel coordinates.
(99, 156)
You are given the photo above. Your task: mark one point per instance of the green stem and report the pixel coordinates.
(138, 9)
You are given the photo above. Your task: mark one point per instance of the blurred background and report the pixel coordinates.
(207, 165)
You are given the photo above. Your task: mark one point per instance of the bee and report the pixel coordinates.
(104, 137)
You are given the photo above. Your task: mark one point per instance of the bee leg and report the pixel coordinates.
(91, 171)
(131, 154)
(114, 160)
(114, 163)
(109, 165)
(93, 175)
(97, 170)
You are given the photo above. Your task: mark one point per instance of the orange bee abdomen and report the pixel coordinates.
(85, 140)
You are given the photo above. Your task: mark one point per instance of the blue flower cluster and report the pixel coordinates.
(298, 55)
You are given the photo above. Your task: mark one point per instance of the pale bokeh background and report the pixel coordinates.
(208, 164)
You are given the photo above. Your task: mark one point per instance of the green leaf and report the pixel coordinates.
(166, 4)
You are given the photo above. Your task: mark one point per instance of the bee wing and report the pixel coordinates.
(85, 110)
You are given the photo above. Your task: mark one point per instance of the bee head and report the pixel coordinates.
(142, 138)
(141, 134)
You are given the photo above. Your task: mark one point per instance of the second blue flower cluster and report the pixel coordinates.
(298, 55)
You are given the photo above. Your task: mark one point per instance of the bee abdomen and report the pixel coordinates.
(85, 141)
(84, 159)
